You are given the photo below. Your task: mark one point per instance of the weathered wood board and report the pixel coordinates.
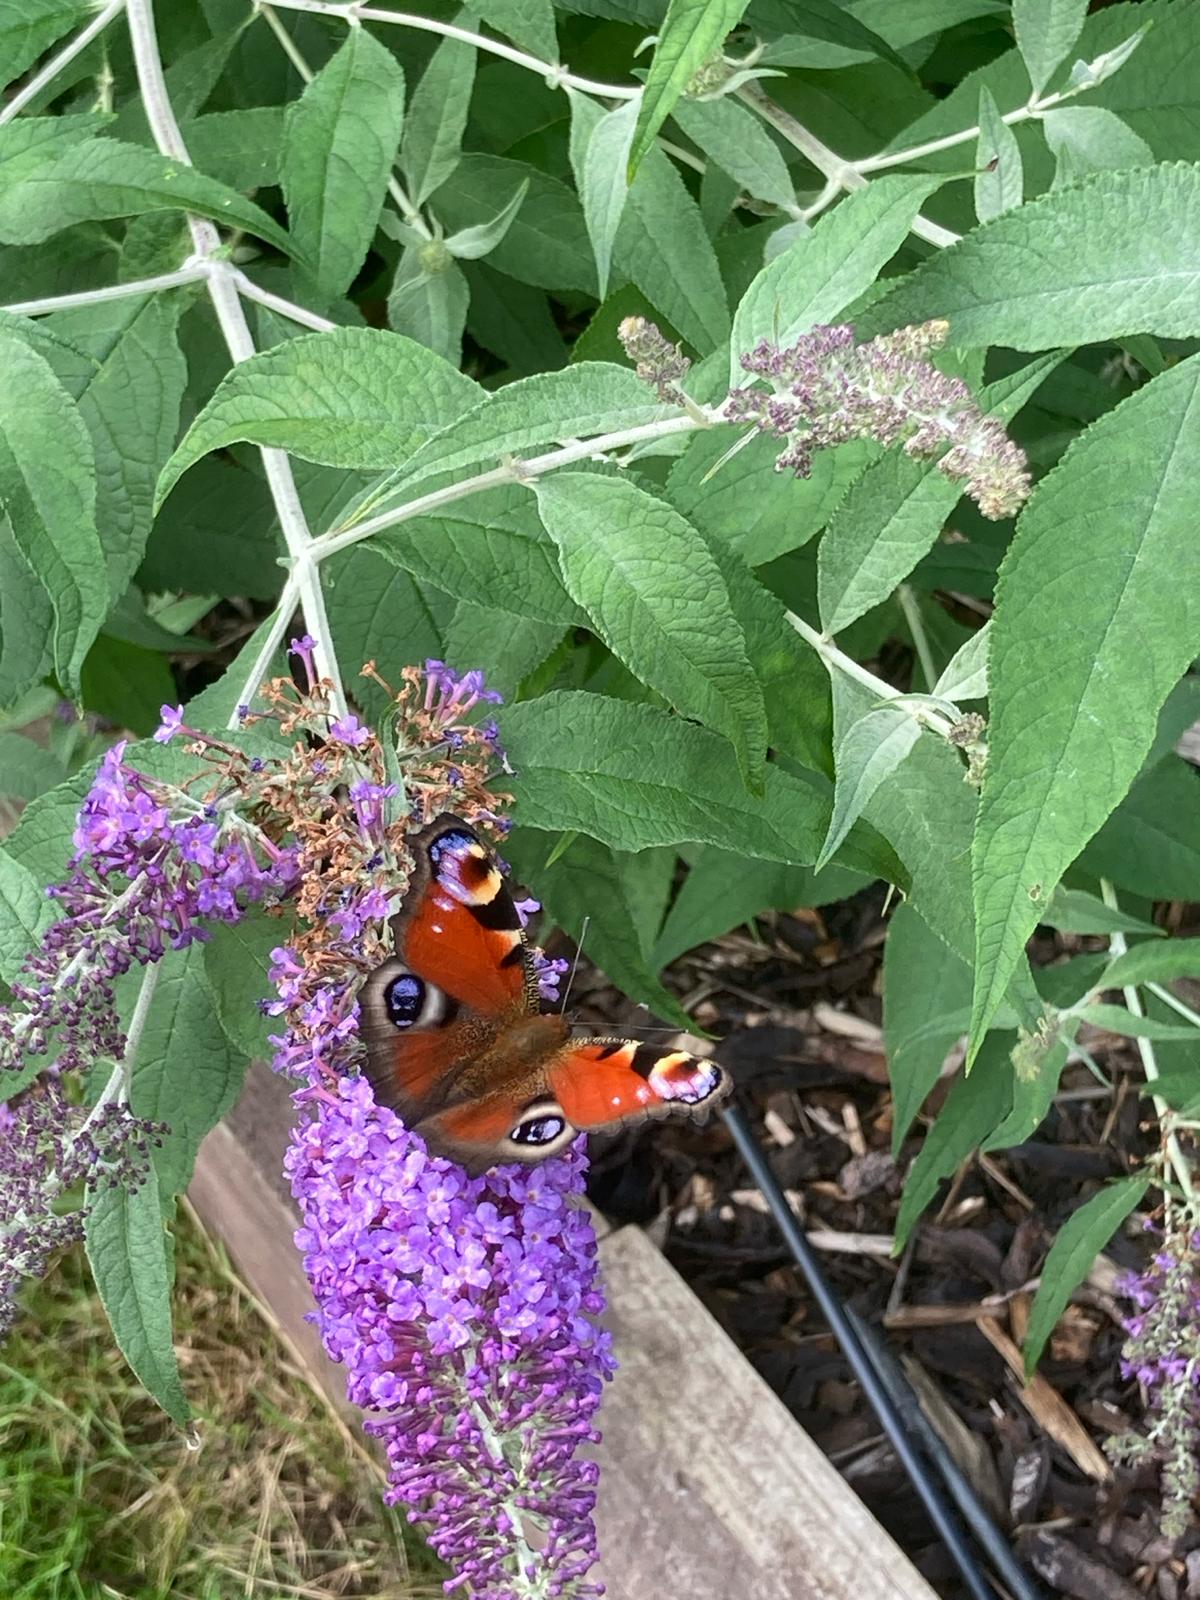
(710, 1490)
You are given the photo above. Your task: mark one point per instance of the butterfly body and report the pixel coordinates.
(458, 1045)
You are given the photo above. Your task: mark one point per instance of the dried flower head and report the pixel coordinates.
(825, 390)
(657, 360)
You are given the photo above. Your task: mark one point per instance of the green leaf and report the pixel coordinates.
(379, 613)
(237, 963)
(1151, 843)
(489, 549)
(547, 245)
(215, 534)
(34, 142)
(965, 674)
(240, 148)
(723, 890)
(819, 275)
(691, 34)
(1058, 647)
(1079, 1242)
(340, 139)
(926, 1007)
(663, 248)
(27, 769)
(1046, 34)
(186, 1073)
(589, 397)
(976, 1105)
(1179, 1086)
(602, 173)
(1064, 269)
(28, 27)
(658, 600)
(732, 136)
(633, 776)
(472, 244)
(999, 175)
(892, 515)
(25, 914)
(529, 23)
(356, 397)
(744, 502)
(867, 750)
(126, 684)
(432, 143)
(48, 492)
(105, 178)
(1075, 911)
(127, 1247)
(588, 885)
(430, 307)
(1086, 139)
(130, 405)
(1156, 962)
(1116, 1019)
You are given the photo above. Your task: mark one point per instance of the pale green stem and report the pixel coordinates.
(916, 152)
(848, 667)
(558, 77)
(63, 58)
(404, 205)
(282, 615)
(513, 472)
(1168, 998)
(1118, 944)
(119, 1079)
(839, 173)
(223, 291)
(912, 615)
(250, 290)
(189, 272)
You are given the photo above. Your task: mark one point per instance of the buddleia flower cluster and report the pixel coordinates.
(152, 863)
(463, 1309)
(1162, 1355)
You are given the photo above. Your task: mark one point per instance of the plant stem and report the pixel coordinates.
(839, 660)
(249, 290)
(558, 77)
(1168, 998)
(190, 272)
(1118, 944)
(839, 174)
(915, 152)
(513, 472)
(64, 57)
(280, 618)
(920, 639)
(223, 290)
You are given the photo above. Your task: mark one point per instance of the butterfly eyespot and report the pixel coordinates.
(538, 1130)
(405, 999)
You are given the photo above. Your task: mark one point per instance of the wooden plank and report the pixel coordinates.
(709, 1488)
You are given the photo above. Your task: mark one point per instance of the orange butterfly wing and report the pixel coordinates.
(603, 1082)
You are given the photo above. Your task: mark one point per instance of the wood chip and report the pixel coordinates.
(778, 1129)
(968, 1449)
(848, 1026)
(1048, 1408)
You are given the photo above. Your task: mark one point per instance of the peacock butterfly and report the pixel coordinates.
(457, 1042)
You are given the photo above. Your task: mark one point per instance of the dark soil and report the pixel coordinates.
(796, 1007)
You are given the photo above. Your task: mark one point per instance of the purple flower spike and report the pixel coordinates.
(462, 1309)
(172, 723)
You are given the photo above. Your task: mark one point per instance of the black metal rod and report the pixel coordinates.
(995, 1545)
(911, 1459)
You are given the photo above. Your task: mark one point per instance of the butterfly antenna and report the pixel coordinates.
(575, 964)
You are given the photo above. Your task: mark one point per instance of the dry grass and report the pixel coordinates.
(100, 1499)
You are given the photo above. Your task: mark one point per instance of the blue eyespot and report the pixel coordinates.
(404, 1000)
(456, 843)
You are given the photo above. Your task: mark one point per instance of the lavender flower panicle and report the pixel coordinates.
(826, 390)
(1162, 1353)
(656, 359)
(461, 1308)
